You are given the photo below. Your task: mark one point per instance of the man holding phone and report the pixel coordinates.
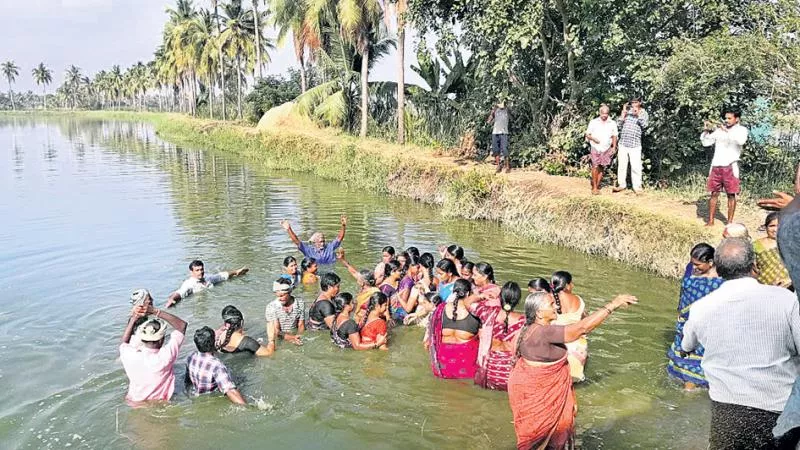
(632, 123)
(728, 140)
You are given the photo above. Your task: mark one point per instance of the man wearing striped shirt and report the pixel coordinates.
(286, 315)
(632, 123)
(751, 336)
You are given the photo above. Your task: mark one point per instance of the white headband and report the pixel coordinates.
(281, 286)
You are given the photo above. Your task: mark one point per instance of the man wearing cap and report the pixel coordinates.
(316, 247)
(198, 281)
(206, 372)
(149, 366)
(286, 315)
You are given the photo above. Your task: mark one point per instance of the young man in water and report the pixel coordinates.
(316, 247)
(149, 365)
(206, 372)
(601, 134)
(198, 281)
(286, 315)
(728, 140)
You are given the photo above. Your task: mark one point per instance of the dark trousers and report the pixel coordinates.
(737, 427)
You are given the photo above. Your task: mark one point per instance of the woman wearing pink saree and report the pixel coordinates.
(452, 338)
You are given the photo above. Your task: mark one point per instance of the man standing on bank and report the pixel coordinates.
(632, 123)
(601, 134)
(728, 140)
(499, 118)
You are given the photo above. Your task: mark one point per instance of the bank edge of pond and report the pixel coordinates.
(654, 242)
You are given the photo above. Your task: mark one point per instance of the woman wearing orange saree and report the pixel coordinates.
(540, 386)
(373, 326)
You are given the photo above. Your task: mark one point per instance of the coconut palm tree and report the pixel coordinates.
(42, 76)
(400, 9)
(257, 35)
(201, 36)
(115, 83)
(236, 39)
(72, 82)
(289, 16)
(11, 72)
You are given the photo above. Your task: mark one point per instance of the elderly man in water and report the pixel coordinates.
(316, 247)
(149, 366)
(198, 281)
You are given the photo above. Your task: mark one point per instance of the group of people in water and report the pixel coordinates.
(473, 330)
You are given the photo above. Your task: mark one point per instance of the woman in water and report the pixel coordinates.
(391, 278)
(771, 270)
(413, 251)
(322, 312)
(290, 271)
(373, 325)
(344, 330)
(570, 309)
(540, 387)
(467, 269)
(231, 337)
(498, 336)
(387, 254)
(308, 270)
(453, 253)
(452, 337)
(402, 303)
(447, 274)
(366, 281)
(703, 280)
(539, 285)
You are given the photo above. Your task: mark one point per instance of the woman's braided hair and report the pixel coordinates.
(461, 289)
(509, 298)
(233, 318)
(560, 281)
(375, 300)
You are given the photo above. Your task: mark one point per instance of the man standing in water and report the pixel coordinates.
(499, 118)
(149, 366)
(728, 140)
(633, 121)
(286, 315)
(198, 281)
(206, 372)
(751, 364)
(601, 134)
(316, 247)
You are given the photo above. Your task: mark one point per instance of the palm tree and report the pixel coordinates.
(221, 62)
(236, 38)
(257, 34)
(290, 17)
(400, 15)
(72, 82)
(11, 72)
(201, 36)
(43, 76)
(115, 82)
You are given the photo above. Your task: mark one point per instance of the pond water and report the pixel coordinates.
(92, 210)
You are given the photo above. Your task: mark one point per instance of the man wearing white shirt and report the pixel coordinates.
(728, 140)
(601, 134)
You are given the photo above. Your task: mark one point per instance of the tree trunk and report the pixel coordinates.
(11, 94)
(565, 29)
(221, 61)
(547, 62)
(238, 86)
(44, 98)
(303, 80)
(211, 81)
(194, 93)
(401, 72)
(364, 87)
(258, 40)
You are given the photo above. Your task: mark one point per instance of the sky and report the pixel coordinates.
(97, 34)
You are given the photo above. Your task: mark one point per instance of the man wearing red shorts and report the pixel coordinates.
(728, 140)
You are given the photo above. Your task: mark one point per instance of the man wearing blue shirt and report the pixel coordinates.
(316, 247)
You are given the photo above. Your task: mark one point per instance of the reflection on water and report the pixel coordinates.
(108, 207)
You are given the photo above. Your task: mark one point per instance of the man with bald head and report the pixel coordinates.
(751, 335)
(316, 247)
(601, 134)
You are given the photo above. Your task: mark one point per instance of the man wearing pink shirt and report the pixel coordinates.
(149, 366)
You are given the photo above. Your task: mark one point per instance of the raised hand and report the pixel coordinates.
(343, 220)
(286, 225)
(340, 253)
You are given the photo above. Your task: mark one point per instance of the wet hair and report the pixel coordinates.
(468, 265)
(413, 260)
(390, 267)
(413, 251)
(703, 253)
(328, 280)
(770, 217)
(234, 319)
(509, 298)
(306, 264)
(288, 260)
(461, 289)
(447, 266)
(559, 282)
(540, 284)
(368, 277)
(434, 298)
(457, 251)
(388, 249)
(426, 260)
(195, 263)
(341, 300)
(375, 300)
(406, 256)
(486, 270)
(204, 340)
(734, 258)
(533, 303)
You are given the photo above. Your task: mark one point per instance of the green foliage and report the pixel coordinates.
(269, 92)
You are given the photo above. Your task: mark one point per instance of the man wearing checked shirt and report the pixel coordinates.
(632, 123)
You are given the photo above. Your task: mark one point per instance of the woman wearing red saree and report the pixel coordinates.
(540, 386)
(373, 326)
(452, 337)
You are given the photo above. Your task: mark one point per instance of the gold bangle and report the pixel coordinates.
(608, 310)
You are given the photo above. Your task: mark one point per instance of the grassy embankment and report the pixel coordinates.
(532, 207)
